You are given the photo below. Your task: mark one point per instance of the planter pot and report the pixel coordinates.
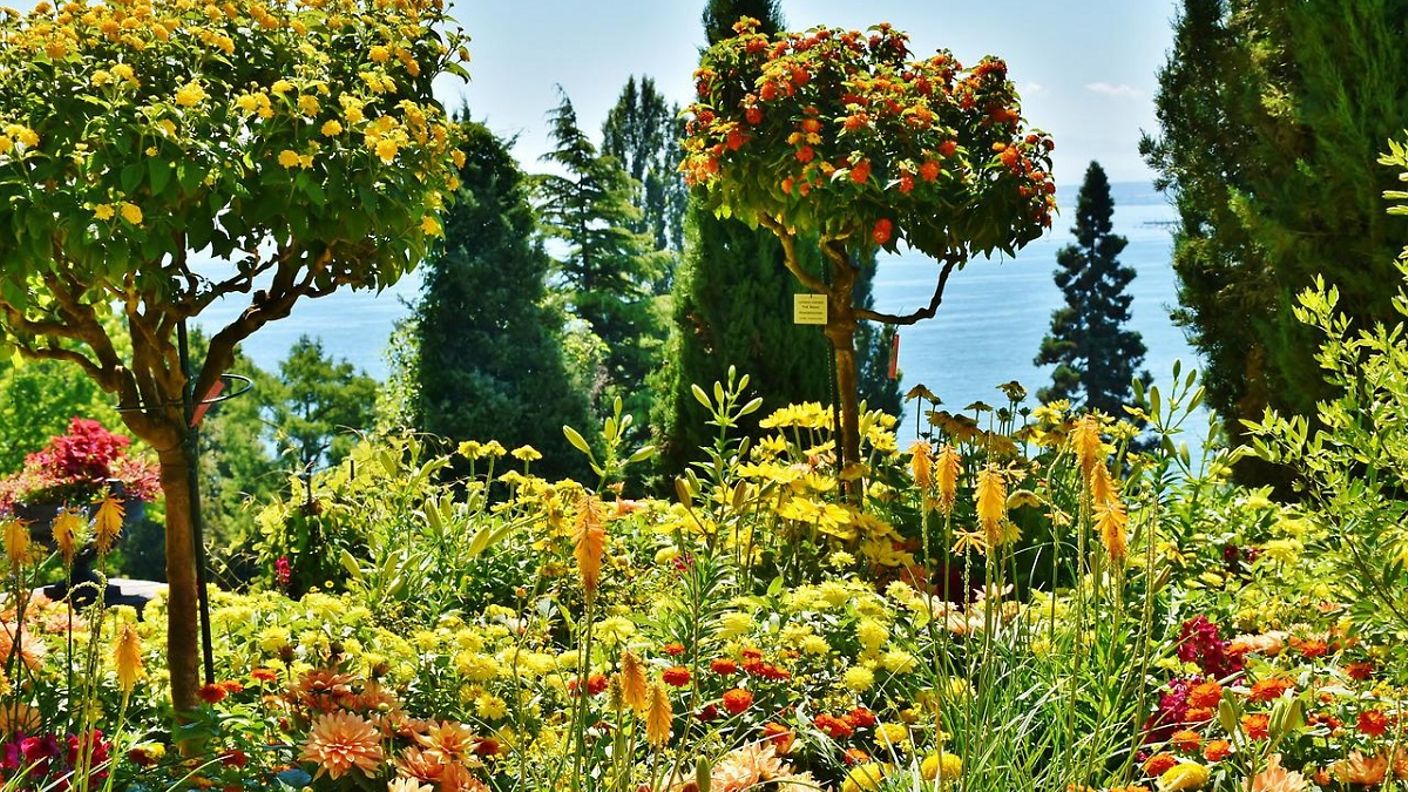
(40, 517)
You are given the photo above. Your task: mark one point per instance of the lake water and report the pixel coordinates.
(987, 331)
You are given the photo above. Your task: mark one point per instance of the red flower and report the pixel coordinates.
(212, 694)
(1372, 723)
(234, 758)
(735, 140)
(232, 686)
(861, 718)
(805, 154)
(929, 171)
(833, 727)
(860, 174)
(751, 655)
(906, 184)
(1360, 671)
(674, 649)
(882, 231)
(723, 666)
(948, 147)
(738, 700)
(487, 747)
(597, 684)
(855, 756)
(753, 115)
(676, 676)
(263, 675)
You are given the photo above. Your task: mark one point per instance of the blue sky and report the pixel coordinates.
(1085, 68)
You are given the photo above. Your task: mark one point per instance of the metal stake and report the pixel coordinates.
(189, 399)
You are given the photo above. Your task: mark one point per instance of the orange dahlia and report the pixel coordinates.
(341, 742)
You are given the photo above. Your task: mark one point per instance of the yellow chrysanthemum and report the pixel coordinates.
(288, 158)
(331, 128)
(131, 212)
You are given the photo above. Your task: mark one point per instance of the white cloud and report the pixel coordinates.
(1122, 91)
(1029, 88)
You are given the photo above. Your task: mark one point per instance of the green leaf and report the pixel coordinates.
(159, 172)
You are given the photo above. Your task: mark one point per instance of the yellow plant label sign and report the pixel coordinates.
(809, 309)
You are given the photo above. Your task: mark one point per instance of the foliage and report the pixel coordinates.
(837, 134)
(607, 266)
(1096, 358)
(490, 344)
(643, 133)
(1268, 114)
(300, 144)
(78, 467)
(316, 404)
(1351, 460)
(37, 401)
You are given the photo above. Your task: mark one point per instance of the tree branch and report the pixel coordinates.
(923, 313)
(789, 254)
(265, 307)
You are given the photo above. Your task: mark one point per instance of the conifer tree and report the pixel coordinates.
(490, 363)
(1095, 356)
(643, 133)
(1271, 115)
(607, 267)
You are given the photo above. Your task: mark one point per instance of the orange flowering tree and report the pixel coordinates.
(843, 137)
(158, 155)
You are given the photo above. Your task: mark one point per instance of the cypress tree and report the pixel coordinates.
(607, 267)
(490, 363)
(1095, 356)
(1271, 117)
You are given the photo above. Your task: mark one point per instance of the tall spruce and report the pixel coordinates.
(1271, 116)
(733, 306)
(490, 362)
(606, 266)
(642, 131)
(1095, 356)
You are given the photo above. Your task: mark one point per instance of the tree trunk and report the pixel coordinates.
(843, 345)
(841, 331)
(182, 636)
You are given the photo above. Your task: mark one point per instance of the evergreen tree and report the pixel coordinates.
(1095, 356)
(317, 404)
(607, 267)
(490, 364)
(1271, 116)
(643, 133)
(733, 306)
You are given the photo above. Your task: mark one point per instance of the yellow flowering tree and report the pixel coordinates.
(847, 138)
(159, 155)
